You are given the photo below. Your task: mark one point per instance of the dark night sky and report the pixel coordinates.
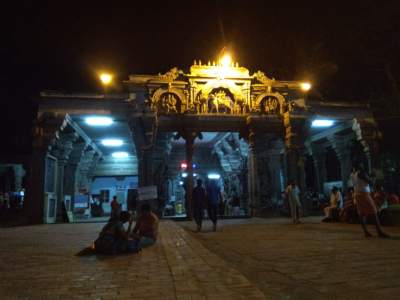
(60, 45)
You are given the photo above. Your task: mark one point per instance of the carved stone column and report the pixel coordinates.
(92, 168)
(253, 185)
(71, 169)
(189, 137)
(275, 167)
(84, 167)
(62, 151)
(319, 159)
(341, 145)
(145, 166)
(144, 133)
(295, 132)
(45, 132)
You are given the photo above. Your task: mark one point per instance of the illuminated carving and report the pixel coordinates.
(171, 75)
(216, 88)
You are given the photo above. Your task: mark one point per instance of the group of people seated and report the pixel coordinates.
(115, 239)
(345, 210)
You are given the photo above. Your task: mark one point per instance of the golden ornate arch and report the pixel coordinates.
(281, 100)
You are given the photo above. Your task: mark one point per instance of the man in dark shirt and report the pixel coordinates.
(199, 199)
(213, 198)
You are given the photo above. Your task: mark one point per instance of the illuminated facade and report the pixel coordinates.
(262, 135)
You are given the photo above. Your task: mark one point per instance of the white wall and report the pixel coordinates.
(116, 185)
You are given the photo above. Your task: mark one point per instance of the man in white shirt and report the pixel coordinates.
(365, 203)
(293, 196)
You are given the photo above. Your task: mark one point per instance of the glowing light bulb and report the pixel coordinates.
(106, 78)
(305, 86)
(226, 60)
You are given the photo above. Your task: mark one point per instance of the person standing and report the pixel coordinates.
(213, 199)
(199, 203)
(115, 208)
(293, 196)
(365, 203)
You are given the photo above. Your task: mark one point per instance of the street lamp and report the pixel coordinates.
(305, 86)
(106, 78)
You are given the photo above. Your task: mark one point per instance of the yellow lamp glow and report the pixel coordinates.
(225, 60)
(106, 78)
(305, 86)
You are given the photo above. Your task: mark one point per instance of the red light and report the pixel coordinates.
(183, 165)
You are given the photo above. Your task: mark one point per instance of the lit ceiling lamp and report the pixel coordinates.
(305, 86)
(120, 154)
(99, 121)
(213, 176)
(112, 142)
(322, 123)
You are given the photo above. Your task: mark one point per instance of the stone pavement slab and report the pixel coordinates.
(39, 262)
(312, 260)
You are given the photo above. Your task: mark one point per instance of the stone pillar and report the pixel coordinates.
(34, 200)
(295, 128)
(84, 168)
(60, 189)
(275, 167)
(144, 134)
(92, 168)
(341, 145)
(145, 166)
(62, 151)
(45, 132)
(319, 158)
(189, 137)
(71, 169)
(253, 187)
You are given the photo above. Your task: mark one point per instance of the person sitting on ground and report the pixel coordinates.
(335, 200)
(146, 228)
(114, 239)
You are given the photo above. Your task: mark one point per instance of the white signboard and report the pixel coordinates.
(147, 192)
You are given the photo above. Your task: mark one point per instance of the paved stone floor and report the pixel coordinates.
(244, 259)
(312, 260)
(39, 262)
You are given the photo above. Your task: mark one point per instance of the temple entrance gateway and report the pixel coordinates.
(253, 131)
(217, 156)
